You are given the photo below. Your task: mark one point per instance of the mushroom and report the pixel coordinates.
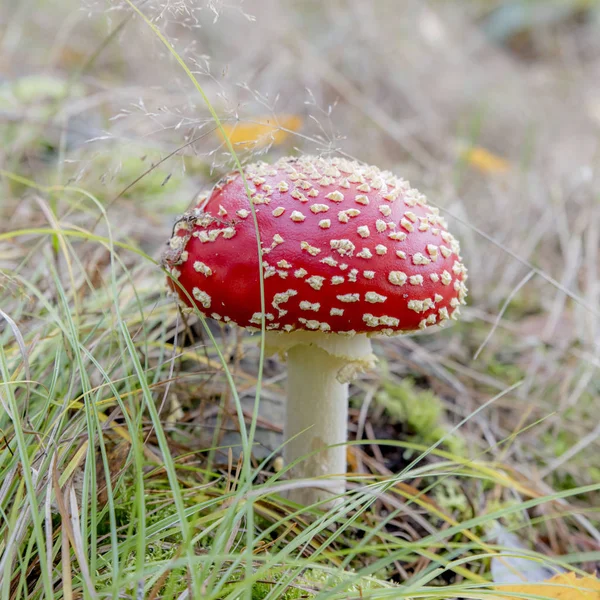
(349, 251)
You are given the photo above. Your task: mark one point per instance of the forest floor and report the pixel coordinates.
(122, 469)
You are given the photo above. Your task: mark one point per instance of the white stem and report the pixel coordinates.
(317, 414)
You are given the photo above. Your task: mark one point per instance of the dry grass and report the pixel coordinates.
(413, 90)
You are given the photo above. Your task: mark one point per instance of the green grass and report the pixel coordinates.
(118, 473)
(84, 374)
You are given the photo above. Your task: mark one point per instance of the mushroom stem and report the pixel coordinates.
(317, 415)
(320, 365)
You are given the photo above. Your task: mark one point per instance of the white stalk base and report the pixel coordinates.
(320, 366)
(316, 417)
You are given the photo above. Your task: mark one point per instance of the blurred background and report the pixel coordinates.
(491, 108)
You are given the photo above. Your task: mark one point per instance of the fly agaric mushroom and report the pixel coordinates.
(348, 251)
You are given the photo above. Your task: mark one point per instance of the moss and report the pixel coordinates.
(39, 96)
(449, 495)
(197, 166)
(107, 175)
(524, 304)
(36, 89)
(421, 411)
(175, 583)
(317, 579)
(364, 583)
(558, 442)
(507, 372)
(514, 521)
(262, 590)
(565, 481)
(594, 473)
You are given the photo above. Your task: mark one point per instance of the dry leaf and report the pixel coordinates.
(565, 586)
(485, 161)
(262, 131)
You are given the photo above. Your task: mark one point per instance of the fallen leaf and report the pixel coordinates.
(262, 131)
(485, 161)
(525, 575)
(565, 586)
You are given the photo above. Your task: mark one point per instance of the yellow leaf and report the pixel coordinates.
(566, 586)
(485, 161)
(262, 131)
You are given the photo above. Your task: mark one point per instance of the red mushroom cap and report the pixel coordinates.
(346, 248)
